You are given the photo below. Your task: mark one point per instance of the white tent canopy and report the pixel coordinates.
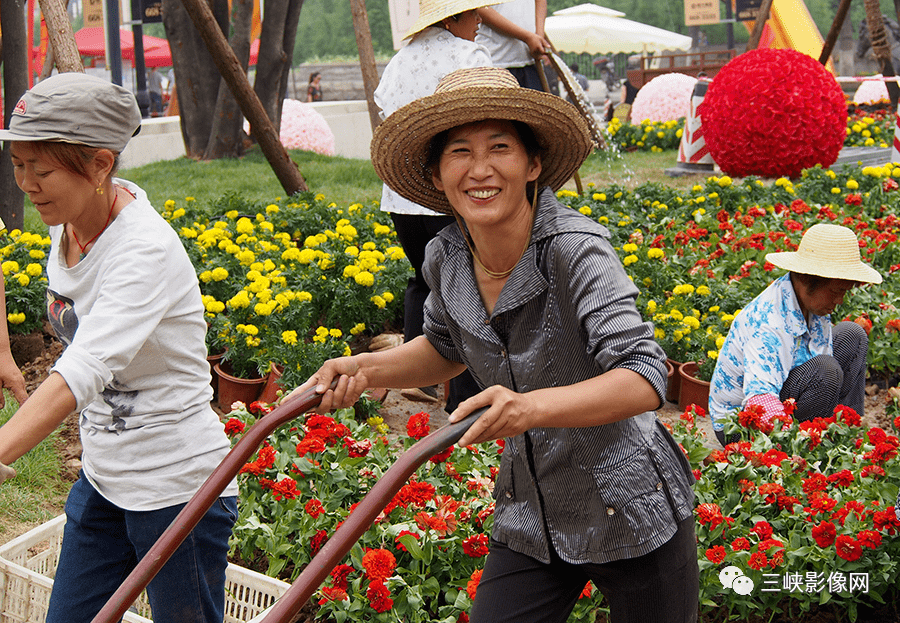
(593, 29)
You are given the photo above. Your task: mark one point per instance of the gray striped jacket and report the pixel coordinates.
(566, 314)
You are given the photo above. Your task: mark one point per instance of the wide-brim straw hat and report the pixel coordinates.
(400, 144)
(433, 11)
(827, 251)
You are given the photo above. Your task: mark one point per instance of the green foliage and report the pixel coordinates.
(24, 257)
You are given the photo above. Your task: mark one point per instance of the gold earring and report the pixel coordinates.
(99, 190)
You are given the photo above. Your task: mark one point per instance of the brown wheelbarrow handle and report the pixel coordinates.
(289, 604)
(202, 501)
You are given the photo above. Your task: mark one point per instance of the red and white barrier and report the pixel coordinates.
(693, 154)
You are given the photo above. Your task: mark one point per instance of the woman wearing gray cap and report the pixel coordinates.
(124, 299)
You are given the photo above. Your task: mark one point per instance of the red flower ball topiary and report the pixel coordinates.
(773, 113)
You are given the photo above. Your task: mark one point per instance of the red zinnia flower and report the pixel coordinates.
(758, 560)
(472, 584)
(710, 514)
(403, 533)
(310, 445)
(379, 597)
(440, 457)
(762, 529)
(333, 593)
(314, 508)
(317, 541)
(417, 425)
(848, 548)
(715, 554)
(824, 534)
(357, 449)
(286, 488)
(379, 564)
(869, 538)
(843, 478)
(476, 545)
(586, 591)
(234, 427)
(340, 574)
(740, 544)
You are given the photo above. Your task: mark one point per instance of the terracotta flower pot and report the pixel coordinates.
(232, 388)
(693, 390)
(270, 389)
(673, 386)
(213, 375)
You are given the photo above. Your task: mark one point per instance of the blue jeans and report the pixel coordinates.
(102, 543)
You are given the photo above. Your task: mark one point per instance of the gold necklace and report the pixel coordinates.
(505, 273)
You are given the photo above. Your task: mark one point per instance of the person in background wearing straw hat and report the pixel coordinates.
(441, 41)
(783, 345)
(530, 296)
(124, 298)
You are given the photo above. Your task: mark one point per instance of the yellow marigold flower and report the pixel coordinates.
(655, 253)
(720, 341)
(239, 300)
(712, 354)
(835, 190)
(676, 315)
(358, 328)
(683, 288)
(629, 247)
(703, 290)
(246, 257)
(219, 274)
(303, 296)
(566, 193)
(244, 226)
(215, 307)
(692, 322)
(335, 333)
(23, 279)
(249, 329)
(381, 230)
(677, 335)
(599, 196)
(365, 278)
(659, 334)
(352, 251)
(177, 213)
(347, 352)
(651, 306)
(307, 256)
(379, 302)
(37, 254)
(725, 181)
(289, 337)
(15, 318)
(33, 270)
(852, 184)
(262, 309)
(603, 220)
(351, 270)
(291, 255)
(395, 253)
(187, 232)
(272, 209)
(388, 296)
(205, 276)
(630, 259)
(714, 308)
(169, 204)
(585, 210)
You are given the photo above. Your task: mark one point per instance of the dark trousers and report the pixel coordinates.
(414, 231)
(660, 587)
(527, 77)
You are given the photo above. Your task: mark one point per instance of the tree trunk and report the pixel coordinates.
(195, 74)
(272, 61)
(880, 47)
(366, 57)
(15, 83)
(290, 38)
(62, 39)
(229, 68)
(225, 136)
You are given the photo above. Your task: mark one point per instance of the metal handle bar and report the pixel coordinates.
(202, 501)
(289, 604)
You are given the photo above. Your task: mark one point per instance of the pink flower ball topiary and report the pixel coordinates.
(773, 113)
(871, 92)
(303, 127)
(665, 98)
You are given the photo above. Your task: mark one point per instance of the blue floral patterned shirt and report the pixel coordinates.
(767, 339)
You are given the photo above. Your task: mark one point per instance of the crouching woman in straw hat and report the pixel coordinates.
(783, 345)
(530, 296)
(124, 298)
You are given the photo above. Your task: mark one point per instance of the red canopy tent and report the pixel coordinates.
(91, 42)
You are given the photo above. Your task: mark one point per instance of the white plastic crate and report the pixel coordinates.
(28, 563)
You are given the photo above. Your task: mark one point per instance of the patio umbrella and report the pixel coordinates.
(593, 29)
(91, 42)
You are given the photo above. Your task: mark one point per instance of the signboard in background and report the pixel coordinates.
(700, 12)
(151, 11)
(93, 13)
(403, 15)
(747, 10)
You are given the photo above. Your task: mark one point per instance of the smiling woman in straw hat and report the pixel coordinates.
(783, 345)
(441, 41)
(530, 296)
(124, 299)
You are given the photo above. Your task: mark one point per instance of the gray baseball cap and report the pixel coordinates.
(75, 108)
